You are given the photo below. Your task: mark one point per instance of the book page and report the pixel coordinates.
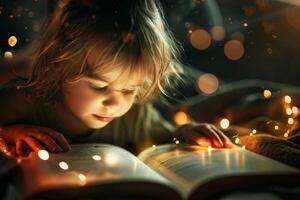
(91, 165)
(191, 167)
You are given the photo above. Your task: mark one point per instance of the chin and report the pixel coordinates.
(97, 125)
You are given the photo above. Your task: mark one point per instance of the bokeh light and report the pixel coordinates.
(218, 33)
(224, 123)
(234, 49)
(181, 118)
(63, 165)
(200, 39)
(12, 40)
(43, 154)
(208, 83)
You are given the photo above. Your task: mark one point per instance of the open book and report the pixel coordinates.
(102, 171)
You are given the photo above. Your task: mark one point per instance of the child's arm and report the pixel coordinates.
(14, 108)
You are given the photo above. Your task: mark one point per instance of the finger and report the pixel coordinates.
(193, 137)
(226, 141)
(33, 144)
(3, 146)
(211, 134)
(59, 138)
(203, 141)
(47, 141)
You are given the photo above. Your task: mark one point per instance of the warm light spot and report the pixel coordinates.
(276, 127)
(267, 94)
(288, 111)
(43, 154)
(111, 160)
(286, 134)
(208, 83)
(63, 165)
(238, 36)
(287, 99)
(243, 147)
(209, 148)
(295, 109)
(82, 179)
(12, 41)
(224, 123)
(177, 142)
(237, 140)
(8, 55)
(96, 157)
(181, 118)
(218, 33)
(290, 121)
(200, 39)
(234, 50)
(153, 146)
(245, 24)
(254, 131)
(251, 134)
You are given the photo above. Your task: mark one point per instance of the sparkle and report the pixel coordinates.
(224, 123)
(289, 111)
(267, 94)
(82, 179)
(243, 147)
(43, 154)
(287, 99)
(96, 157)
(295, 109)
(153, 146)
(8, 55)
(237, 140)
(12, 40)
(63, 165)
(290, 121)
(276, 127)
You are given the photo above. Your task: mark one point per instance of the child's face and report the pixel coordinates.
(97, 101)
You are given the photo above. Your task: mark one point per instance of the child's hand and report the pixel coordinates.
(205, 135)
(20, 139)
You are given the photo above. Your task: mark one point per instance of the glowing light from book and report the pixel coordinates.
(181, 118)
(224, 123)
(234, 50)
(111, 160)
(43, 154)
(243, 147)
(287, 99)
(295, 110)
(208, 83)
(276, 127)
(82, 179)
(290, 121)
(96, 157)
(217, 33)
(8, 55)
(63, 165)
(209, 148)
(237, 140)
(288, 111)
(12, 40)
(153, 146)
(200, 39)
(267, 94)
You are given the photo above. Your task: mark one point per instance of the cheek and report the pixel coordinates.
(80, 101)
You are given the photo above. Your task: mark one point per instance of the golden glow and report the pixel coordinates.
(12, 41)
(243, 147)
(237, 140)
(287, 99)
(224, 123)
(181, 118)
(208, 83)
(286, 134)
(111, 160)
(251, 134)
(218, 33)
(200, 39)
(43, 154)
(82, 179)
(209, 148)
(254, 131)
(63, 165)
(96, 157)
(288, 111)
(153, 146)
(295, 110)
(177, 142)
(276, 127)
(8, 55)
(234, 50)
(290, 121)
(267, 94)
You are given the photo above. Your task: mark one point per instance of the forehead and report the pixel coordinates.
(115, 70)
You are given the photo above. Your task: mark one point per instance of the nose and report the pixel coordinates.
(112, 100)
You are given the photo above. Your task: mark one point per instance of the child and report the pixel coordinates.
(98, 65)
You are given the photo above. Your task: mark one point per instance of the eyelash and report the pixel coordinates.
(101, 89)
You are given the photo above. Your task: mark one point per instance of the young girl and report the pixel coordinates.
(98, 66)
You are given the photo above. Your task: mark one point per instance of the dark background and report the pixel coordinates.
(271, 40)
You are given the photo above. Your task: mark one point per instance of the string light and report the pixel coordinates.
(289, 111)
(243, 147)
(237, 140)
(295, 110)
(290, 121)
(82, 179)
(276, 127)
(153, 146)
(8, 55)
(209, 148)
(12, 41)
(43, 154)
(96, 157)
(63, 165)
(287, 99)
(224, 123)
(267, 94)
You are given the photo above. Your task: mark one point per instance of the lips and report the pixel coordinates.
(104, 118)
